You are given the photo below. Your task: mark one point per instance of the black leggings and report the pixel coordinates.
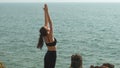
(50, 59)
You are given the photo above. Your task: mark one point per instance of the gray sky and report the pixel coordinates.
(59, 0)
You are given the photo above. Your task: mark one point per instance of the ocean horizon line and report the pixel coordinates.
(66, 2)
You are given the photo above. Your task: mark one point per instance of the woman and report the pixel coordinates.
(46, 35)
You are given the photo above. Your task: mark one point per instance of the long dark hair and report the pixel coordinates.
(43, 32)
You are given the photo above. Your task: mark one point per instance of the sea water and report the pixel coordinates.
(89, 29)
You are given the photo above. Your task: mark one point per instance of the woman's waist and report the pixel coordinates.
(51, 48)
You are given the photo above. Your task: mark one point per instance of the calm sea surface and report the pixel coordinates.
(89, 29)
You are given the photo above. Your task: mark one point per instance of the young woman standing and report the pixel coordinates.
(47, 36)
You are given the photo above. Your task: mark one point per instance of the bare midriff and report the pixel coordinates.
(51, 48)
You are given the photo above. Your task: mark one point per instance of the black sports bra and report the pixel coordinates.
(52, 43)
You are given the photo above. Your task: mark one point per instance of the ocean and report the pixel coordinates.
(89, 29)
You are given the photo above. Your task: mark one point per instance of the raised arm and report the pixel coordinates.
(46, 18)
(49, 20)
